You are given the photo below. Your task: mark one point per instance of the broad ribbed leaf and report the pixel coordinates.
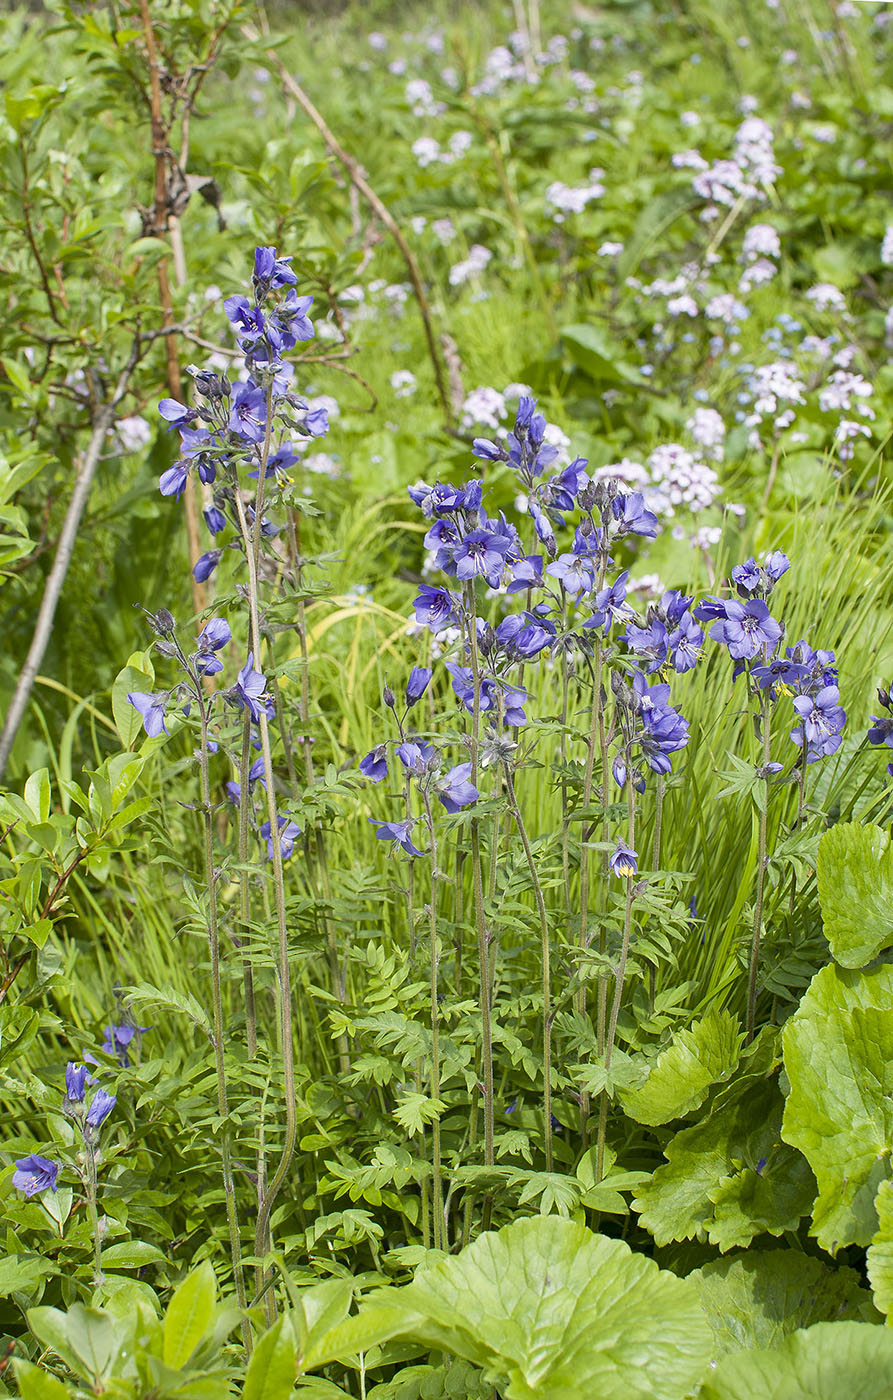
(548, 1309)
(879, 1260)
(855, 877)
(727, 1179)
(683, 1072)
(831, 1361)
(838, 1050)
(761, 1297)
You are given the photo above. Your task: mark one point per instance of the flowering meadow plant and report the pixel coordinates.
(481, 877)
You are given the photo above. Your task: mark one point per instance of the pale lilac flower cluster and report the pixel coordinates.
(679, 479)
(472, 266)
(573, 199)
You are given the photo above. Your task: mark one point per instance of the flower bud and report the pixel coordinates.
(163, 623)
(388, 697)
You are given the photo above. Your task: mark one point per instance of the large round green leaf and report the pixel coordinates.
(838, 1052)
(759, 1298)
(550, 1310)
(831, 1361)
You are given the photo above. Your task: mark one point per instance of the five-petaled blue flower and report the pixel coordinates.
(399, 833)
(151, 707)
(375, 765)
(214, 635)
(455, 789)
(289, 832)
(748, 630)
(35, 1174)
(250, 690)
(624, 861)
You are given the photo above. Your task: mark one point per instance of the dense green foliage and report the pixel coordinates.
(554, 1131)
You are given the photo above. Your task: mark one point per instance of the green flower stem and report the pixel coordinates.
(547, 972)
(266, 1202)
(478, 883)
(655, 865)
(91, 1182)
(619, 979)
(229, 1191)
(320, 858)
(410, 915)
(765, 728)
(434, 1080)
(245, 888)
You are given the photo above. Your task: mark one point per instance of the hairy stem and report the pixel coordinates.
(434, 1079)
(547, 972)
(229, 1191)
(765, 726)
(245, 887)
(655, 865)
(478, 885)
(619, 979)
(252, 553)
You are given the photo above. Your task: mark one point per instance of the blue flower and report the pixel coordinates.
(375, 765)
(206, 564)
(481, 553)
(625, 861)
(455, 789)
(270, 271)
(249, 692)
(289, 832)
(399, 833)
(417, 756)
(633, 517)
(100, 1108)
(686, 643)
(118, 1040)
(610, 604)
(214, 635)
(822, 719)
(649, 642)
(526, 571)
(575, 574)
(248, 415)
(35, 1174)
(747, 577)
(484, 448)
(76, 1078)
(435, 608)
(151, 707)
(177, 414)
(172, 482)
(747, 630)
(291, 320)
(542, 525)
(214, 519)
(248, 320)
(419, 678)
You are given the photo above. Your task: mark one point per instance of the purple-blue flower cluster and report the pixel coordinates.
(246, 421)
